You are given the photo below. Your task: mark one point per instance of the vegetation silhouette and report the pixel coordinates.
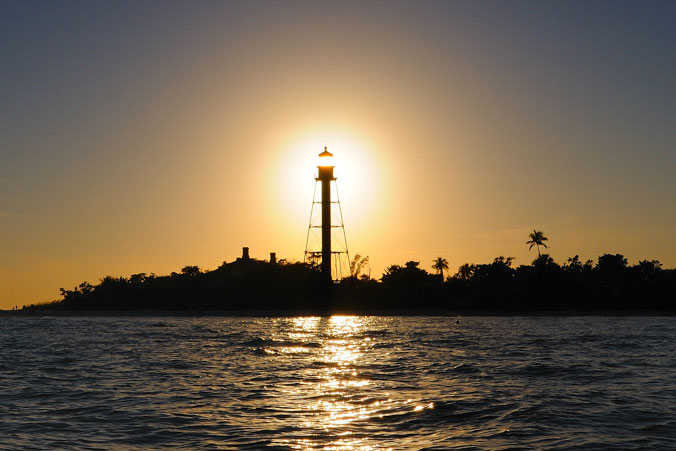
(249, 284)
(537, 238)
(357, 265)
(440, 264)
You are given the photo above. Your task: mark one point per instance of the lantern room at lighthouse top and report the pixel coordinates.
(324, 167)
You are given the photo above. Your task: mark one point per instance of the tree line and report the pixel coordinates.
(608, 284)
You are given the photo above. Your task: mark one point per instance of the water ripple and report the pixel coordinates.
(338, 383)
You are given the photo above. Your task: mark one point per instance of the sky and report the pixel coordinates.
(144, 136)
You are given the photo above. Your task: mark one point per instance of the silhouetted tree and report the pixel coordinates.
(492, 284)
(191, 270)
(648, 270)
(573, 264)
(537, 238)
(440, 264)
(408, 283)
(610, 265)
(543, 260)
(86, 287)
(357, 265)
(466, 271)
(314, 259)
(610, 281)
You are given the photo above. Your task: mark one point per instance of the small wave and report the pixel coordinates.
(270, 343)
(466, 368)
(542, 369)
(371, 334)
(180, 364)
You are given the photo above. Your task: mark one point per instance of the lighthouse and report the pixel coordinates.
(325, 179)
(325, 176)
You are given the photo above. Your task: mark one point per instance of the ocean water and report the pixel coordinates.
(338, 383)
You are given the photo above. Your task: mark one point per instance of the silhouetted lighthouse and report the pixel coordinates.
(324, 178)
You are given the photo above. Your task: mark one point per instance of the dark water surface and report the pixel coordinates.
(338, 383)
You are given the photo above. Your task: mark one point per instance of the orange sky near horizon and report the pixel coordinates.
(147, 138)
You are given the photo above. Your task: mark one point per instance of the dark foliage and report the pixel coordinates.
(249, 284)
(242, 285)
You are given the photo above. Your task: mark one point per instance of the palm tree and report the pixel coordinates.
(440, 264)
(537, 238)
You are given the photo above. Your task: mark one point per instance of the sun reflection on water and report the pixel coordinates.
(337, 392)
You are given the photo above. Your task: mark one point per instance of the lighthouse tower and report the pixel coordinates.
(338, 254)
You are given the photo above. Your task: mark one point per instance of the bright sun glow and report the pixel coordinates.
(358, 176)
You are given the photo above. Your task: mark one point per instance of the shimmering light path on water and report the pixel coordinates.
(338, 383)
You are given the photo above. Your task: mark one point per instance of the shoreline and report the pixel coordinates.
(327, 313)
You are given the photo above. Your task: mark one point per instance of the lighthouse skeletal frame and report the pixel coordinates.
(328, 255)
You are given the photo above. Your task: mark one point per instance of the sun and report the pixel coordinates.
(358, 176)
